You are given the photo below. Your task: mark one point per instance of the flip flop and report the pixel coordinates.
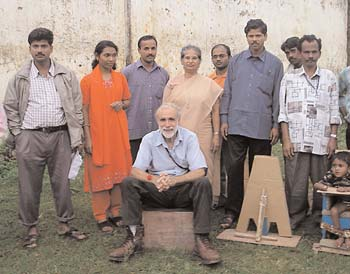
(31, 241)
(74, 234)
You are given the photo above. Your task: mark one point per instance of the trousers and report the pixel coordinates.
(34, 151)
(298, 170)
(237, 147)
(196, 195)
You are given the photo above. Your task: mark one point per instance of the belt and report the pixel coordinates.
(50, 129)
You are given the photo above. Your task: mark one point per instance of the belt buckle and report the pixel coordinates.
(46, 129)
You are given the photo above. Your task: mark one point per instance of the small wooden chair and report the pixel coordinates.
(328, 197)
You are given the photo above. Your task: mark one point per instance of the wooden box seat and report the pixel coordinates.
(168, 228)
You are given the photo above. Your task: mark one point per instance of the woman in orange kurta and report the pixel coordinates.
(105, 97)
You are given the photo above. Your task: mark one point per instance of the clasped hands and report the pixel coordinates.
(117, 105)
(164, 182)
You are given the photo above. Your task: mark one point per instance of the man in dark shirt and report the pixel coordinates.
(249, 111)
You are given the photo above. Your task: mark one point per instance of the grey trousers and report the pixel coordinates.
(197, 195)
(34, 151)
(297, 173)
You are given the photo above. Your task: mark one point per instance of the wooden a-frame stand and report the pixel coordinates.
(264, 203)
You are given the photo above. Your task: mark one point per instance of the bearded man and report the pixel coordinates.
(169, 172)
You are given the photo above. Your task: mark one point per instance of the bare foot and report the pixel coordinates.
(32, 230)
(347, 243)
(339, 242)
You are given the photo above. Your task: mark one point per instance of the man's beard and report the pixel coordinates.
(167, 133)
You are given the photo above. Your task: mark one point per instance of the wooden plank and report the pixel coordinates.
(231, 235)
(333, 191)
(328, 245)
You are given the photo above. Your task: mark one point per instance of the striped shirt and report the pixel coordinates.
(44, 105)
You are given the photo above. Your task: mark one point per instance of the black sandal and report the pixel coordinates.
(74, 234)
(116, 221)
(105, 226)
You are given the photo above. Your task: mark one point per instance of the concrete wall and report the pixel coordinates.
(79, 24)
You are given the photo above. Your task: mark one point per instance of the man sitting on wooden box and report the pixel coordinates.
(169, 172)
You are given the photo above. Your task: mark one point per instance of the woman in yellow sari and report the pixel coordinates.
(198, 97)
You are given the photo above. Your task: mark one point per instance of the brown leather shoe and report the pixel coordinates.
(132, 245)
(205, 251)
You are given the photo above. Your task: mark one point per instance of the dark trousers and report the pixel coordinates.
(223, 174)
(298, 170)
(237, 147)
(34, 151)
(134, 147)
(197, 195)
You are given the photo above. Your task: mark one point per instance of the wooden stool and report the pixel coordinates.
(168, 229)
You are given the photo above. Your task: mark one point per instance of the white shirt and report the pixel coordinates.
(309, 105)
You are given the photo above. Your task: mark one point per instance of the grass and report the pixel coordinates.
(58, 255)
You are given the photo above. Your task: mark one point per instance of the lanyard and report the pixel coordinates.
(310, 83)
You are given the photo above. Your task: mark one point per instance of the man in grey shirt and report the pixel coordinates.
(146, 81)
(249, 111)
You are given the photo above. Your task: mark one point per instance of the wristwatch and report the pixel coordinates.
(333, 136)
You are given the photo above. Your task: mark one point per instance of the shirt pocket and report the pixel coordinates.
(265, 84)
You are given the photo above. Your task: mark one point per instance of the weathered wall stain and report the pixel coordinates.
(79, 24)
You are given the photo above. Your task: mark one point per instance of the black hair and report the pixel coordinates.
(342, 156)
(310, 38)
(39, 34)
(146, 38)
(228, 50)
(256, 24)
(291, 42)
(99, 48)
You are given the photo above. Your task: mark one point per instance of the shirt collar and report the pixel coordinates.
(213, 75)
(159, 140)
(139, 64)
(302, 72)
(34, 72)
(262, 55)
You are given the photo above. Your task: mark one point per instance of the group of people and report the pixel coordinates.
(151, 140)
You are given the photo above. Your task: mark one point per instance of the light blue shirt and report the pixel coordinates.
(154, 158)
